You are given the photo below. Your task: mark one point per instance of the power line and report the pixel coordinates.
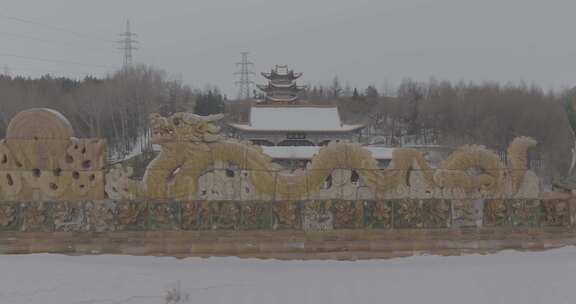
(244, 82)
(32, 38)
(56, 28)
(9, 68)
(61, 43)
(57, 61)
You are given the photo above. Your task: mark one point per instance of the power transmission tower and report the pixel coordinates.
(127, 42)
(244, 82)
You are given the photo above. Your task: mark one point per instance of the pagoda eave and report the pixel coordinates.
(277, 99)
(290, 76)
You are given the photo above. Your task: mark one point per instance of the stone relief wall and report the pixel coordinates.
(40, 159)
(52, 182)
(315, 215)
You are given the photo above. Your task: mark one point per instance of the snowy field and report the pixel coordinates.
(508, 277)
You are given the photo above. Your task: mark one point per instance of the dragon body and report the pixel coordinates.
(191, 146)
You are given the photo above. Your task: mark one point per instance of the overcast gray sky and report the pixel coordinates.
(363, 42)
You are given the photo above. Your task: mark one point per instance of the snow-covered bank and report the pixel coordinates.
(507, 277)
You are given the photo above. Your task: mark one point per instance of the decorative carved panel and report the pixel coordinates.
(408, 214)
(286, 215)
(436, 213)
(348, 214)
(378, 214)
(525, 213)
(164, 215)
(40, 160)
(255, 216)
(9, 217)
(467, 213)
(555, 213)
(496, 213)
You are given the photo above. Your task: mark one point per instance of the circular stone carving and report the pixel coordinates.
(39, 123)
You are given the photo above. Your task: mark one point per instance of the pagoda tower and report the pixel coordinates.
(281, 87)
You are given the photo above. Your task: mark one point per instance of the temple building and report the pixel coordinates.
(280, 118)
(292, 130)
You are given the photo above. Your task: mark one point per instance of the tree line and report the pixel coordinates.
(115, 107)
(454, 114)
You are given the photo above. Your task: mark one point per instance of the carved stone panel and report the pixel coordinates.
(9, 217)
(224, 215)
(467, 213)
(132, 216)
(101, 215)
(436, 213)
(164, 215)
(555, 213)
(348, 214)
(41, 160)
(255, 216)
(286, 215)
(37, 217)
(195, 215)
(408, 214)
(70, 217)
(316, 217)
(378, 214)
(496, 213)
(525, 213)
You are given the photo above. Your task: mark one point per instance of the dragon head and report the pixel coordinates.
(186, 127)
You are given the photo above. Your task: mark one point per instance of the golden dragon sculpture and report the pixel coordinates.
(191, 145)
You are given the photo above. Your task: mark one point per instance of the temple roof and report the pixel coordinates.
(282, 72)
(296, 118)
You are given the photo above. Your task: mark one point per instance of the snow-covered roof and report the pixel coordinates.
(307, 152)
(295, 118)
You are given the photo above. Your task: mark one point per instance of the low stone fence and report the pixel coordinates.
(292, 229)
(104, 216)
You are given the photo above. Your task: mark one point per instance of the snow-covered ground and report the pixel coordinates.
(508, 277)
